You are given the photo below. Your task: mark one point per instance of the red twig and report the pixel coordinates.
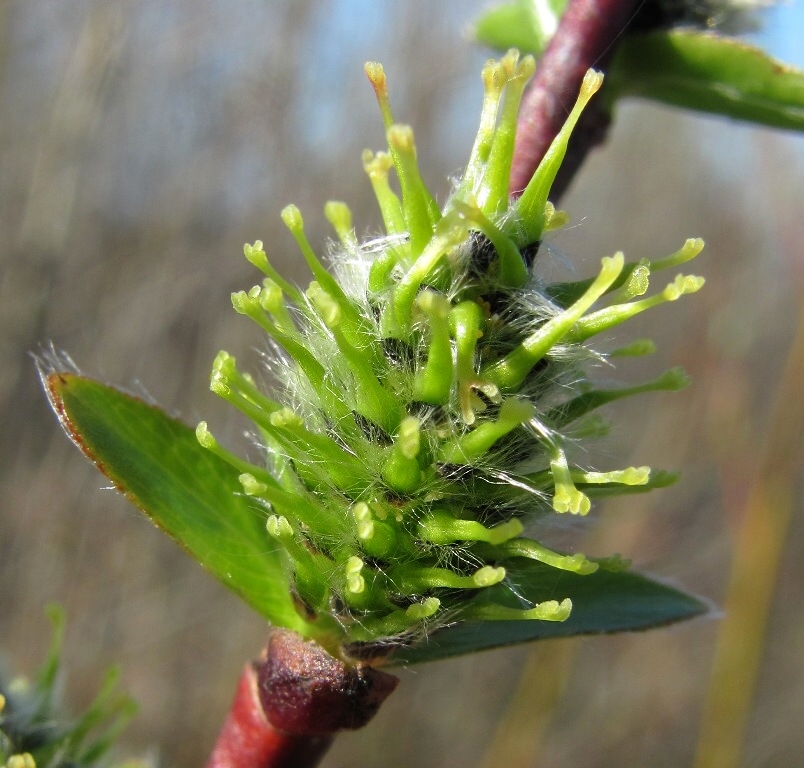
(290, 703)
(586, 37)
(248, 739)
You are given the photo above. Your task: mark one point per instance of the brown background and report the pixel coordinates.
(144, 142)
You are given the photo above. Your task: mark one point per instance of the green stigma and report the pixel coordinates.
(433, 391)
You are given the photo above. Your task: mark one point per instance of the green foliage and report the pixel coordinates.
(608, 600)
(709, 73)
(217, 528)
(684, 67)
(522, 24)
(33, 731)
(189, 492)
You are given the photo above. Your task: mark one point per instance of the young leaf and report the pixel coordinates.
(602, 602)
(524, 24)
(187, 491)
(709, 73)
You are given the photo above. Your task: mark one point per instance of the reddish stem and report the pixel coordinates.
(248, 740)
(290, 703)
(586, 37)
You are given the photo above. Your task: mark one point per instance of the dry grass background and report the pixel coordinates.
(144, 142)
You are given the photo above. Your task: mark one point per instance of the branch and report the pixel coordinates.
(248, 740)
(586, 37)
(290, 703)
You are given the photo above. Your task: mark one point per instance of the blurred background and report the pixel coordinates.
(144, 142)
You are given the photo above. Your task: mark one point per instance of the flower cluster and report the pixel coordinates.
(430, 386)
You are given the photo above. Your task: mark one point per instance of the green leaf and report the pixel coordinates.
(709, 73)
(526, 25)
(603, 602)
(190, 493)
(49, 672)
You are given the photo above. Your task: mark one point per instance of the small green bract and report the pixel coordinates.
(432, 390)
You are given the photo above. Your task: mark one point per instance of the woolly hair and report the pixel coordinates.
(428, 384)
